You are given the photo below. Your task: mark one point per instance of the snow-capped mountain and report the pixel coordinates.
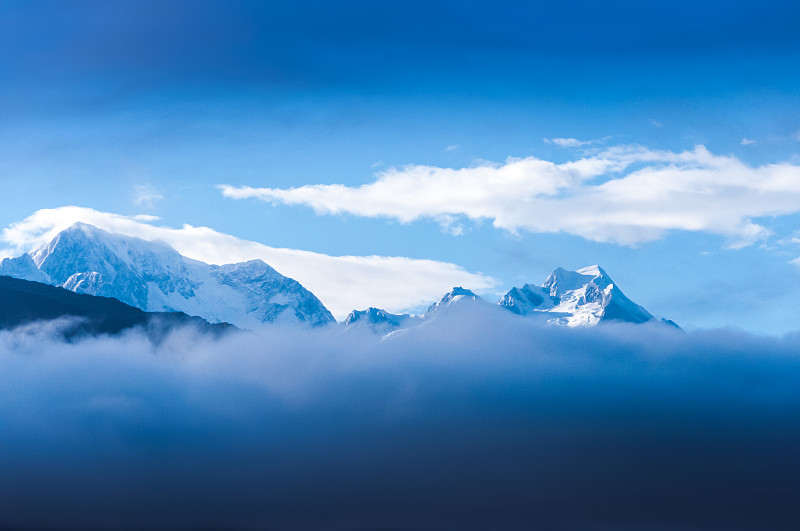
(154, 277)
(584, 297)
(453, 298)
(23, 267)
(576, 298)
(380, 320)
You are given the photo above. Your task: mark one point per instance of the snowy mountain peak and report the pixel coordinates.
(524, 300)
(562, 281)
(593, 270)
(82, 235)
(576, 298)
(458, 290)
(379, 320)
(89, 260)
(568, 298)
(152, 276)
(453, 296)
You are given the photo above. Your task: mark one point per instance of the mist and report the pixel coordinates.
(476, 420)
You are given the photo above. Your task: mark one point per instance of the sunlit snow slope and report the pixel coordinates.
(584, 297)
(152, 276)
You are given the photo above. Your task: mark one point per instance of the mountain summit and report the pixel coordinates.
(585, 297)
(154, 277)
(576, 298)
(455, 296)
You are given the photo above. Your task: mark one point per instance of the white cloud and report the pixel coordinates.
(574, 142)
(623, 194)
(656, 123)
(747, 141)
(563, 142)
(145, 195)
(452, 148)
(343, 283)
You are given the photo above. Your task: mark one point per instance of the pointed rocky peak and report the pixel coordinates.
(524, 300)
(86, 229)
(86, 233)
(79, 233)
(377, 318)
(458, 290)
(271, 296)
(371, 314)
(94, 249)
(562, 281)
(454, 296)
(594, 271)
(89, 260)
(80, 229)
(576, 298)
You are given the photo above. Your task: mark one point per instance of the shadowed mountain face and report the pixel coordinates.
(23, 302)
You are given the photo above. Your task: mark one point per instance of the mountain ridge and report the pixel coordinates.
(152, 276)
(585, 297)
(26, 302)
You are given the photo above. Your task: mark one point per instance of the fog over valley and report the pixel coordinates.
(479, 419)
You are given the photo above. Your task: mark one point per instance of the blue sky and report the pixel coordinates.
(138, 108)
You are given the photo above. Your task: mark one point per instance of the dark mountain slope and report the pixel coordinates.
(23, 302)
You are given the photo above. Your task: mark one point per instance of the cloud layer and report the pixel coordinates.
(343, 283)
(624, 194)
(480, 420)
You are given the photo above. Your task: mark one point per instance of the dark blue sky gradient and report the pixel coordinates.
(369, 44)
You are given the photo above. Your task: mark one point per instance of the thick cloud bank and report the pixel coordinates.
(470, 422)
(626, 194)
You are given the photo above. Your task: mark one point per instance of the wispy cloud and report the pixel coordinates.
(747, 141)
(624, 194)
(343, 283)
(452, 148)
(574, 142)
(145, 195)
(656, 123)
